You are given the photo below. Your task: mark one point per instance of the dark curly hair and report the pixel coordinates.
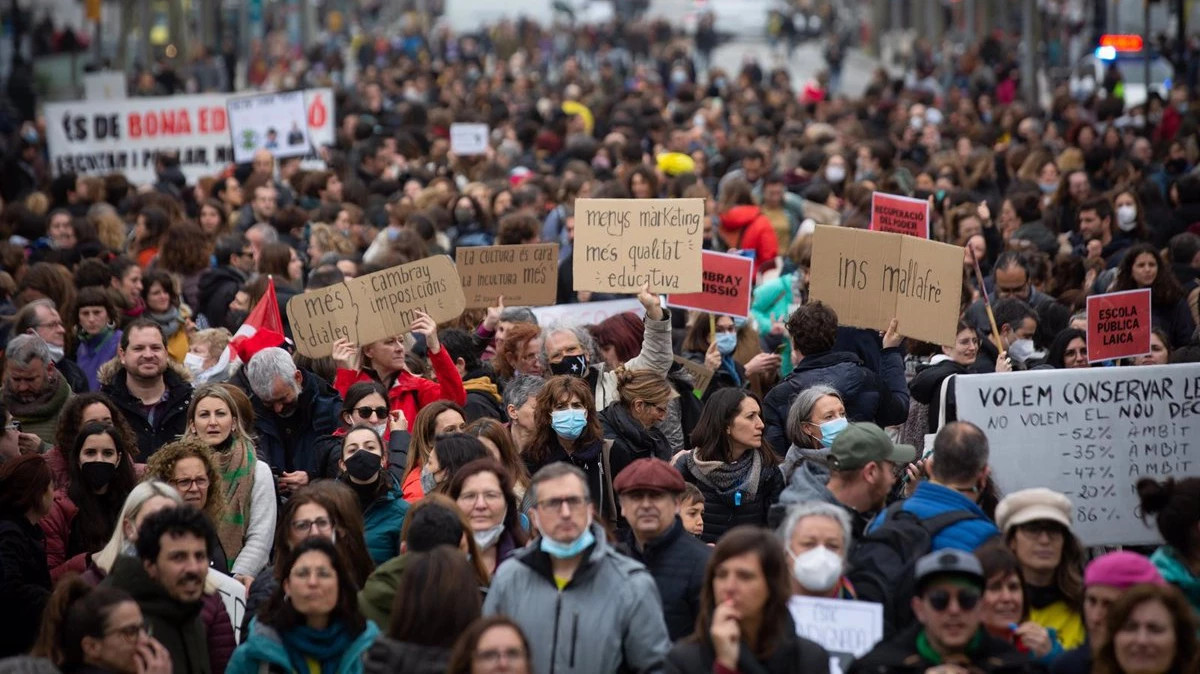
(813, 328)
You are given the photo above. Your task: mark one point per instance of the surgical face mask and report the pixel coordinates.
(380, 429)
(1047, 188)
(916, 122)
(56, 352)
(726, 342)
(1127, 217)
(97, 474)
(194, 362)
(428, 480)
(835, 173)
(817, 570)
(568, 423)
(573, 365)
(679, 77)
(831, 429)
(571, 549)
(487, 538)
(1021, 350)
(363, 465)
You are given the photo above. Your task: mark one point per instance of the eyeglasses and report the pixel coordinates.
(304, 526)
(495, 655)
(129, 633)
(366, 412)
(939, 600)
(550, 505)
(51, 324)
(1037, 528)
(187, 484)
(473, 496)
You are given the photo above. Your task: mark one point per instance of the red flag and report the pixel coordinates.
(262, 328)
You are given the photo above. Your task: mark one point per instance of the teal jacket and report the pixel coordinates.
(772, 300)
(1174, 571)
(382, 522)
(264, 646)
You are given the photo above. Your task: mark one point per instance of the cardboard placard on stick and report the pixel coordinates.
(525, 275)
(727, 286)
(372, 307)
(701, 374)
(871, 277)
(622, 244)
(1118, 325)
(900, 215)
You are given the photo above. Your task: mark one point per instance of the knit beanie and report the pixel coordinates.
(1121, 569)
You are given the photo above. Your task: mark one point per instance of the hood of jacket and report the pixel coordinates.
(219, 276)
(617, 419)
(483, 385)
(809, 482)
(926, 385)
(827, 359)
(740, 217)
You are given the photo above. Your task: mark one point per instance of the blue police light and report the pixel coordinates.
(1106, 53)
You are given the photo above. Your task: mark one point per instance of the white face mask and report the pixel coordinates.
(194, 362)
(817, 570)
(488, 537)
(835, 173)
(1127, 217)
(1021, 350)
(380, 429)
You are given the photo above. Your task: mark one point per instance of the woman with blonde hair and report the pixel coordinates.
(209, 358)
(246, 486)
(632, 423)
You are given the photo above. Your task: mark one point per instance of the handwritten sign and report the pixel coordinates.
(870, 277)
(846, 629)
(372, 307)
(1091, 433)
(1118, 325)
(700, 374)
(525, 275)
(727, 286)
(622, 244)
(468, 139)
(899, 215)
(233, 596)
(586, 313)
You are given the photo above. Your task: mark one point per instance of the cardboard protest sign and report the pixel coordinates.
(846, 629)
(702, 375)
(899, 215)
(372, 307)
(1118, 325)
(728, 280)
(622, 244)
(1091, 433)
(871, 277)
(524, 275)
(468, 139)
(586, 313)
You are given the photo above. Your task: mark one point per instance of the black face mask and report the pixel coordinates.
(235, 318)
(575, 366)
(363, 465)
(97, 474)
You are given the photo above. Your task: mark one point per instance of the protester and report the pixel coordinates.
(520, 405)
(164, 306)
(209, 358)
(744, 622)
(630, 423)
(483, 491)
(312, 619)
(364, 469)
(438, 418)
(41, 318)
(97, 334)
(150, 394)
(1037, 528)
(498, 442)
(189, 467)
(1174, 505)
(1151, 629)
(437, 600)
(26, 495)
(450, 452)
(738, 475)
(246, 487)
(1006, 606)
(492, 645)
(933, 385)
(34, 391)
(571, 568)
(717, 350)
(100, 468)
(817, 538)
(1068, 350)
(1143, 267)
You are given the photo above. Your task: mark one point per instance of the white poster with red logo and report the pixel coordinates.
(99, 137)
(286, 124)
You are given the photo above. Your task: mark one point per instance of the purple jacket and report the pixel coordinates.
(94, 352)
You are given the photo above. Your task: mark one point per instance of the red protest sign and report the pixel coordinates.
(1118, 325)
(901, 215)
(727, 281)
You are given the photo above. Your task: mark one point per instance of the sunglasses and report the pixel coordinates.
(939, 600)
(366, 412)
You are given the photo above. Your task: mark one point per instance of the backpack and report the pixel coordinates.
(882, 562)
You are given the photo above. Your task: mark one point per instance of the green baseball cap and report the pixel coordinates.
(865, 442)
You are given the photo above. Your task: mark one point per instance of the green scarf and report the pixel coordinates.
(930, 654)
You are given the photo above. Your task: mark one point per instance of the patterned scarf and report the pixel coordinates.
(726, 478)
(235, 462)
(168, 320)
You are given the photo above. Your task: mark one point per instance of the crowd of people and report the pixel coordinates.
(498, 494)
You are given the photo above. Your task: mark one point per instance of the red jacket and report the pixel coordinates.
(746, 228)
(410, 393)
(57, 527)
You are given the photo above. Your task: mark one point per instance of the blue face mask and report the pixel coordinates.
(568, 423)
(1047, 188)
(726, 342)
(831, 429)
(567, 550)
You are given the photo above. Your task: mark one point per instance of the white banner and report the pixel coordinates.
(845, 629)
(98, 137)
(286, 124)
(585, 313)
(1090, 434)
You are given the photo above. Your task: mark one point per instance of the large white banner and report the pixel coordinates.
(98, 137)
(1090, 434)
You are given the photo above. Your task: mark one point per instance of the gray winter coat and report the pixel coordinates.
(608, 616)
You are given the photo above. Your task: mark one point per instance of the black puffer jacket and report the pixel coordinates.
(724, 510)
(631, 440)
(676, 560)
(792, 654)
(24, 583)
(926, 389)
(218, 287)
(170, 421)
